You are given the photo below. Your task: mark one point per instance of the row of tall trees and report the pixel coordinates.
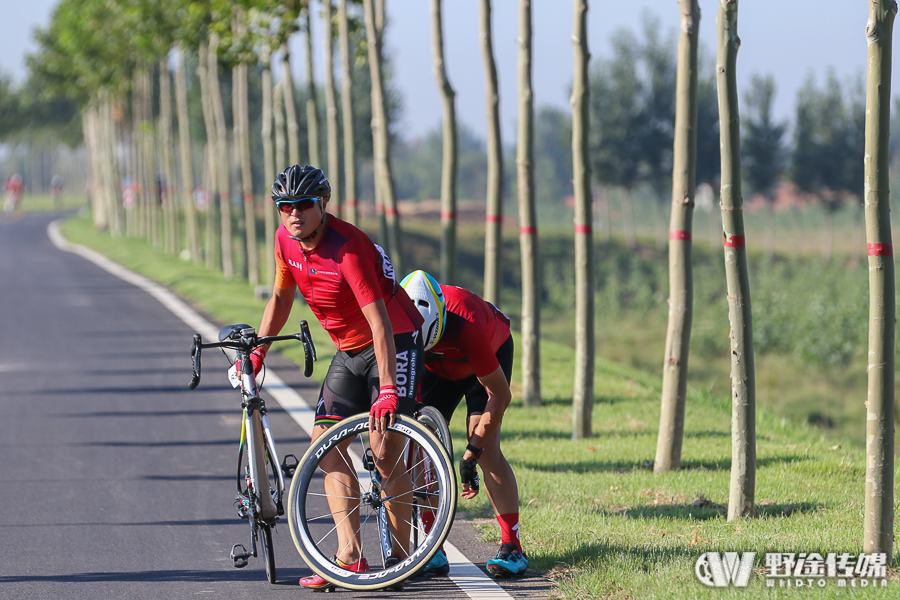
(136, 79)
(843, 134)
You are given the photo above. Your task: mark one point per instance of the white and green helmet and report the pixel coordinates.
(426, 294)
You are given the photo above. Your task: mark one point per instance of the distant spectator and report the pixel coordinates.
(14, 187)
(56, 186)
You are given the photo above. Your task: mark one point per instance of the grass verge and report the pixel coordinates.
(595, 518)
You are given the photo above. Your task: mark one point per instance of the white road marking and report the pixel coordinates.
(469, 578)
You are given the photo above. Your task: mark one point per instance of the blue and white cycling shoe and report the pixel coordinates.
(509, 562)
(438, 566)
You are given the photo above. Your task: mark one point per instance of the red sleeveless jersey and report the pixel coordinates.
(343, 273)
(473, 333)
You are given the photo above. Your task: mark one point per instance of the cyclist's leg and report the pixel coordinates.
(342, 490)
(338, 399)
(390, 448)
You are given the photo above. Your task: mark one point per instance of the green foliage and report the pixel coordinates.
(633, 112)
(763, 153)
(829, 139)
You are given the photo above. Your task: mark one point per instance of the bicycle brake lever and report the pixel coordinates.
(309, 349)
(195, 366)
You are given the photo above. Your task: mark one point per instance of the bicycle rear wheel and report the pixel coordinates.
(268, 552)
(433, 418)
(314, 525)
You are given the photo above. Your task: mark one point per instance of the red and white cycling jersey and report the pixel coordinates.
(343, 273)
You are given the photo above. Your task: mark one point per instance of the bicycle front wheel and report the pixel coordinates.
(337, 493)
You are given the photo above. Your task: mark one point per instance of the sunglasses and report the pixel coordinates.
(301, 204)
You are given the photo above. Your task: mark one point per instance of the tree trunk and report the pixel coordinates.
(278, 118)
(350, 200)
(681, 283)
(381, 144)
(312, 102)
(268, 165)
(583, 394)
(743, 375)
(223, 183)
(827, 234)
(187, 171)
(150, 167)
(111, 165)
(242, 139)
(290, 109)
(246, 218)
(331, 116)
(136, 224)
(89, 119)
(213, 243)
(493, 225)
(166, 152)
(879, 506)
(628, 216)
(448, 166)
(528, 239)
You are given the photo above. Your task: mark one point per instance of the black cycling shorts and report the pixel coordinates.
(445, 394)
(351, 384)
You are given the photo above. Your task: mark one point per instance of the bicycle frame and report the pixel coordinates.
(258, 503)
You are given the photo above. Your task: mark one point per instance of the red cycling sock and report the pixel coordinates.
(427, 521)
(509, 530)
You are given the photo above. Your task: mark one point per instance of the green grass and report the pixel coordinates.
(595, 518)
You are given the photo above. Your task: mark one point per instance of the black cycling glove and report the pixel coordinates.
(468, 473)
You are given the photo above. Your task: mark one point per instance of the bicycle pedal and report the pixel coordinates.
(239, 559)
(289, 465)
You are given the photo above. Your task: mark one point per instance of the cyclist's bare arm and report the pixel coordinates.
(498, 400)
(277, 311)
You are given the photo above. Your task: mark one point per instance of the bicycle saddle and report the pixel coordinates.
(234, 332)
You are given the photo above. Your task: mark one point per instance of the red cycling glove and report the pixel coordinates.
(257, 356)
(386, 403)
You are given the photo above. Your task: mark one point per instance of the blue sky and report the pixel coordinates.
(790, 39)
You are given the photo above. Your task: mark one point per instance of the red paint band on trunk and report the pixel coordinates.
(351, 202)
(587, 229)
(735, 241)
(448, 215)
(680, 234)
(528, 230)
(494, 219)
(880, 249)
(248, 197)
(391, 211)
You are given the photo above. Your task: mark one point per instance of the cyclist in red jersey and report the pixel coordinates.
(469, 352)
(349, 284)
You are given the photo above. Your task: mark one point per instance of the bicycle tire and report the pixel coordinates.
(433, 418)
(312, 526)
(268, 551)
(265, 506)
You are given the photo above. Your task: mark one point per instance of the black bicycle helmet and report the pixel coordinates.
(296, 182)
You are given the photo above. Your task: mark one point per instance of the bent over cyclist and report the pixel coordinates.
(349, 284)
(469, 352)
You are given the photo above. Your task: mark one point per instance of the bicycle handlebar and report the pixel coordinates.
(246, 343)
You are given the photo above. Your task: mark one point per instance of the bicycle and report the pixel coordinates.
(425, 459)
(260, 494)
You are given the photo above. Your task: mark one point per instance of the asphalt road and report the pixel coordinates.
(117, 481)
